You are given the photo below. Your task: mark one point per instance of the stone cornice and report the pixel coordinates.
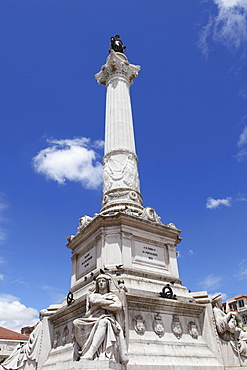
(164, 305)
(99, 222)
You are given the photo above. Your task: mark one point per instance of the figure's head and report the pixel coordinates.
(232, 324)
(102, 283)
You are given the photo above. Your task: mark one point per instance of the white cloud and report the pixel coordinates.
(242, 154)
(228, 202)
(243, 137)
(14, 315)
(211, 282)
(242, 272)
(242, 144)
(241, 198)
(72, 160)
(215, 203)
(228, 26)
(98, 144)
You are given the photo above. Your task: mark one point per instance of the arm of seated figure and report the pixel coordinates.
(112, 302)
(108, 301)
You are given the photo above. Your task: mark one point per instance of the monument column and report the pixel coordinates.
(121, 187)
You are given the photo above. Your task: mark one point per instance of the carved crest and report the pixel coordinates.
(158, 325)
(176, 327)
(139, 325)
(193, 330)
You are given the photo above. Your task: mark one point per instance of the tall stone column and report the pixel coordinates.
(121, 186)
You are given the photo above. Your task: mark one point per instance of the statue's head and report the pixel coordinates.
(232, 324)
(102, 282)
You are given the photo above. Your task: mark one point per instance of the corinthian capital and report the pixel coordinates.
(117, 64)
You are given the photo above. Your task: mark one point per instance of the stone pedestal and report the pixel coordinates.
(161, 333)
(89, 365)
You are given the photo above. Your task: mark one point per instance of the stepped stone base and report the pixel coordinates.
(89, 365)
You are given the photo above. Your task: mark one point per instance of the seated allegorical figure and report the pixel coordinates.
(225, 323)
(99, 334)
(227, 329)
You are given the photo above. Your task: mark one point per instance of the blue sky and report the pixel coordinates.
(190, 118)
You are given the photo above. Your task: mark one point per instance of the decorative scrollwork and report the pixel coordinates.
(133, 195)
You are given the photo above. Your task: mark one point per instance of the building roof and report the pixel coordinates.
(11, 335)
(240, 296)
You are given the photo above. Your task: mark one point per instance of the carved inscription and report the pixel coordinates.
(86, 261)
(148, 254)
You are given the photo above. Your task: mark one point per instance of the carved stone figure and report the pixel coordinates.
(65, 335)
(27, 353)
(193, 330)
(158, 326)
(176, 327)
(99, 334)
(56, 339)
(227, 329)
(83, 222)
(139, 325)
(225, 323)
(116, 44)
(150, 215)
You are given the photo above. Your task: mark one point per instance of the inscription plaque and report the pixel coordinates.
(148, 254)
(86, 262)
